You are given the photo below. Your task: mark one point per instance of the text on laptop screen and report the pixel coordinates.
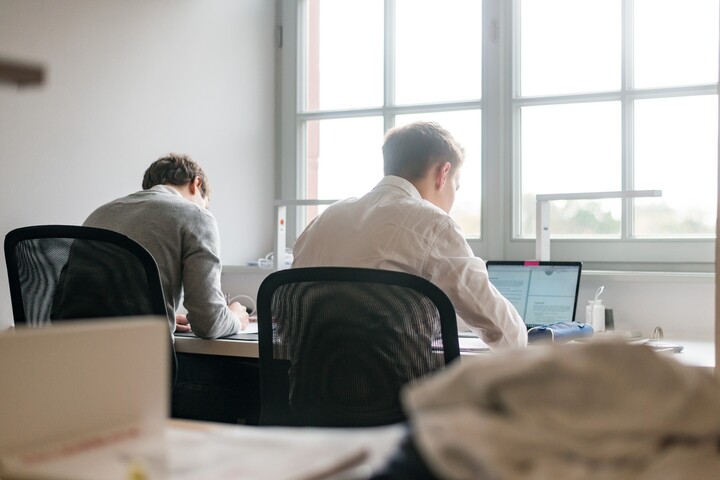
(541, 293)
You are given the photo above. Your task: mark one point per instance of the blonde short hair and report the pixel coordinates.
(410, 150)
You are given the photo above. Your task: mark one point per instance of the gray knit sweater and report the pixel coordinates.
(183, 238)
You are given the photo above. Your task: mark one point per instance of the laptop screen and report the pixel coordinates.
(541, 292)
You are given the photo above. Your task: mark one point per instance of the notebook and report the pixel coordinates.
(82, 377)
(542, 292)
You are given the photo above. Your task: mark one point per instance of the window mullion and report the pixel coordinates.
(627, 107)
(495, 158)
(389, 65)
(513, 110)
(291, 82)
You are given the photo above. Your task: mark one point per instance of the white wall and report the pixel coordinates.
(682, 304)
(128, 81)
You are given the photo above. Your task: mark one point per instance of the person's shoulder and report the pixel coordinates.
(431, 211)
(437, 222)
(174, 208)
(118, 200)
(176, 202)
(109, 207)
(196, 216)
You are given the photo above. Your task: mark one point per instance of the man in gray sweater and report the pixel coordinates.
(169, 217)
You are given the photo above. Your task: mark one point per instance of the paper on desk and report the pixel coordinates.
(196, 451)
(258, 454)
(102, 455)
(251, 331)
(251, 328)
(472, 344)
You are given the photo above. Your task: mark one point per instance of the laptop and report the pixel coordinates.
(542, 292)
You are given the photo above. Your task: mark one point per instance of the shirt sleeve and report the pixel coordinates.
(452, 266)
(208, 313)
(299, 249)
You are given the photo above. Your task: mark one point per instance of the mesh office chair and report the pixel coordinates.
(337, 344)
(67, 272)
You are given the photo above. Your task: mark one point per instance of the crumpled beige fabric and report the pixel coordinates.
(605, 410)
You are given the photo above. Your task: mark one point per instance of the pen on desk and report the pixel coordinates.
(352, 460)
(137, 471)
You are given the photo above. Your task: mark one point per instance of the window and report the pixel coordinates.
(546, 96)
(365, 66)
(610, 102)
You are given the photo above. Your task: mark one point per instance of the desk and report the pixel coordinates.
(224, 347)
(230, 397)
(235, 346)
(696, 352)
(184, 450)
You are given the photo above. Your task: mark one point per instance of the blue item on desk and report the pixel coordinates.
(559, 332)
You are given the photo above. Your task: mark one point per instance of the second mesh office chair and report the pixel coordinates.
(337, 344)
(67, 272)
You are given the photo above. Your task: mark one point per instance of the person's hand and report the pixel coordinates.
(241, 313)
(181, 324)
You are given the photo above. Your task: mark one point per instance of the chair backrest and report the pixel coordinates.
(337, 344)
(70, 272)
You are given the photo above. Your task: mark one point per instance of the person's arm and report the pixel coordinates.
(240, 311)
(452, 266)
(301, 249)
(208, 314)
(181, 323)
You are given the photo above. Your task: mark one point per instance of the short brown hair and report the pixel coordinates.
(175, 169)
(409, 151)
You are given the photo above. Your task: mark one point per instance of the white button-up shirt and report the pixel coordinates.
(393, 228)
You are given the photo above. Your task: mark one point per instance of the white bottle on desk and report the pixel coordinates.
(598, 315)
(588, 312)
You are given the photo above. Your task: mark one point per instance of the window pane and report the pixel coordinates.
(466, 127)
(438, 50)
(568, 149)
(676, 42)
(569, 46)
(676, 152)
(343, 157)
(344, 54)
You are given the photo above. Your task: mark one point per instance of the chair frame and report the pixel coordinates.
(448, 322)
(81, 233)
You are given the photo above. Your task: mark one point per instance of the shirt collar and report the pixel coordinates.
(401, 184)
(166, 189)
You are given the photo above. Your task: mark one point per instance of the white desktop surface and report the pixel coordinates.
(188, 450)
(697, 353)
(226, 347)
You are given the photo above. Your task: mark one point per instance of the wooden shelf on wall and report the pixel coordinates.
(21, 74)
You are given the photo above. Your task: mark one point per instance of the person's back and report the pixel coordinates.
(375, 231)
(403, 224)
(172, 223)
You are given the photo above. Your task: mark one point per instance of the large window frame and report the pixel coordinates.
(500, 105)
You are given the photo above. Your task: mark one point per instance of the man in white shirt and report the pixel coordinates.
(403, 224)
